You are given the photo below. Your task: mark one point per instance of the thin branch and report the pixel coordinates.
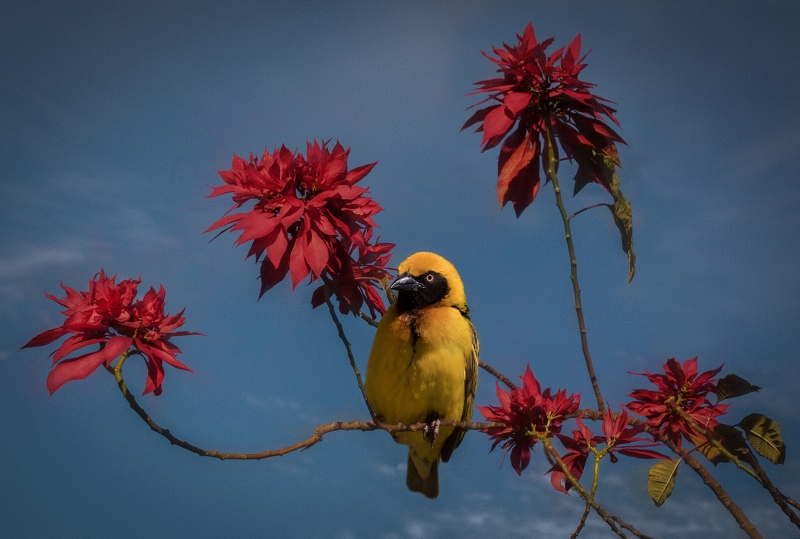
(319, 432)
(790, 501)
(488, 368)
(779, 498)
(387, 289)
(579, 488)
(581, 522)
(631, 529)
(352, 358)
(595, 480)
(550, 171)
(368, 319)
(708, 436)
(590, 208)
(716, 488)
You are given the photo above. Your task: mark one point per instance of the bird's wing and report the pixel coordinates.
(470, 386)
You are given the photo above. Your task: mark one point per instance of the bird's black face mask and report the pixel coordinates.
(415, 292)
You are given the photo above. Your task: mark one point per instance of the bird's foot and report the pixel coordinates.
(431, 431)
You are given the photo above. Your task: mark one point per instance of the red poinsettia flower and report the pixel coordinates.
(354, 278)
(108, 315)
(308, 214)
(689, 391)
(616, 433)
(539, 92)
(527, 413)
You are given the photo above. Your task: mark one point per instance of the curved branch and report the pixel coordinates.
(319, 432)
(349, 349)
(593, 206)
(488, 368)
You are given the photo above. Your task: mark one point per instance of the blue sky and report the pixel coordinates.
(115, 120)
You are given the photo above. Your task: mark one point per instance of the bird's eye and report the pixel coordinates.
(429, 277)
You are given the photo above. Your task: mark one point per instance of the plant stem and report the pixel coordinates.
(578, 487)
(550, 172)
(368, 319)
(319, 431)
(491, 370)
(774, 492)
(595, 480)
(708, 436)
(349, 349)
(716, 488)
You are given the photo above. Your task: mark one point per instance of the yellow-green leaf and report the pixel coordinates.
(621, 211)
(764, 435)
(661, 480)
(729, 437)
(732, 386)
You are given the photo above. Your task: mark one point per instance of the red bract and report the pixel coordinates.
(108, 315)
(689, 391)
(527, 412)
(616, 432)
(307, 216)
(537, 92)
(355, 278)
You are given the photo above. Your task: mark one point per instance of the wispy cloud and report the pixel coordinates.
(391, 470)
(37, 258)
(686, 514)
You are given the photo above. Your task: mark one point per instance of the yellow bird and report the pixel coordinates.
(423, 366)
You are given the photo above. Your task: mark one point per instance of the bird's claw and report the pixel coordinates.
(431, 431)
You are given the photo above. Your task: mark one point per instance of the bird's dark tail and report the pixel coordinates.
(430, 486)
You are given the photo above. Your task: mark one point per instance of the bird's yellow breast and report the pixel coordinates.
(417, 365)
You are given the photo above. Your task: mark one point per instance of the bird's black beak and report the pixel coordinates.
(406, 282)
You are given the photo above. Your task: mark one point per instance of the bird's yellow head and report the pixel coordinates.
(425, 279)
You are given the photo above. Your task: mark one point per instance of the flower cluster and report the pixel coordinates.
(310, 218)
(541, 93)
(688, 390)
(528, 414)
(109, 315)
(616, 433)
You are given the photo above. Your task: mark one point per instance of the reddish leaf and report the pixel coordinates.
(316, 253)
(518, 159)
(478, 116)
(277, 244)
(255, 225)
(154, 352)
(46, 337)
(496, 124)
(298, 269)
(271, 274)
(74, 343)
(358, 173)
(80, 367)
(228, 219)
(516, 102)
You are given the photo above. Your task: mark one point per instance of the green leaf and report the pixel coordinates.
(621, 212)
(764, 435)
(729, 437)
(732, 386)
(661, 480)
